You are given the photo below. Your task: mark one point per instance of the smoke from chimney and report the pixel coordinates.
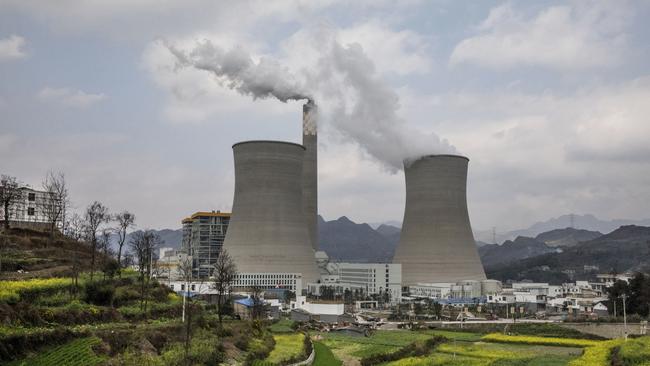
(343, 82)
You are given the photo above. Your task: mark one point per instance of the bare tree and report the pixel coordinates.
(185, 270)
(143, 244)
(225, 273)
(125, 220)
(56, 201)
(105, 247)
(96, 215)
(10, 195)
(259, 307)
(76, 229)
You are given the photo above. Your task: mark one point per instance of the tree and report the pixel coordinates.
(96, 215)
(258, 307)
(10, 196)
(225, 273)
(125, 220)
(614, 293)
(77, 230)
(56, 201)
(105, 247)
(143, 244)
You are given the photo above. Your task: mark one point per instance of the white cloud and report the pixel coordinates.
(70, 97)
(12, 48)
(534, 156)
(401, 52)
(577, 36)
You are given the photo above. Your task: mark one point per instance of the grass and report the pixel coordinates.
(324, 356)
(287, 346)
(345, 346)
(635, 351)
(78, 352)
(282, 326)
(597, 355)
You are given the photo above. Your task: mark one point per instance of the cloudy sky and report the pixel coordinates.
(549, 100)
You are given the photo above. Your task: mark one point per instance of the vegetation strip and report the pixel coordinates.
(414, 349)
(542, 341)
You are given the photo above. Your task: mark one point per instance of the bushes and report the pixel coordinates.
(543, 341)
(635, 351)
(99, 293)
(414, 349)
(259, 348)
(596, 355)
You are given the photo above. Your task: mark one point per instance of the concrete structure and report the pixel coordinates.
(468, 289)
(437, 244)
(366, 278)
(271, 280)
(268, 233)
(29, 211)
(310, 170)
(203, 237)
(169, 261)
(328, 308)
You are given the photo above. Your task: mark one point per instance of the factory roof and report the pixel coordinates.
(205, 214)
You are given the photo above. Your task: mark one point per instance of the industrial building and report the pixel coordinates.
(310, 170)
(203, 237)
(437, 244)
(365, 278)
(268, 233)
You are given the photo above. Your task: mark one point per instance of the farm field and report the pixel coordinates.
(75, 353)
(465, 348)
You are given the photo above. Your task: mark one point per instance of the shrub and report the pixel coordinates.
(596, 355)
(99, 293)
(635, 351)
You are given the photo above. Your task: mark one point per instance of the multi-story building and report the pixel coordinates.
(367, 278)
(203, 236)
(30, 210)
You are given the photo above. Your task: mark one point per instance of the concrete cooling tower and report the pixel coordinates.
(437, 244)
(268, 232)
(310, 170)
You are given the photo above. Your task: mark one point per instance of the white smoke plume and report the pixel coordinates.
(342, 81)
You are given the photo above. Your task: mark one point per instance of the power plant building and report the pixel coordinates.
(203, 237)
(268, 235)
(437, 244)
(310, 170)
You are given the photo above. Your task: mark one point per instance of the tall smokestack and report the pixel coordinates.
(267, 231)
(437, 244)
(310, 170)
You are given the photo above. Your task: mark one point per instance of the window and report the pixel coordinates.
(31, 196)
(30, 211)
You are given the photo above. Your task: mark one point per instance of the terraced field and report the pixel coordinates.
(75, 353)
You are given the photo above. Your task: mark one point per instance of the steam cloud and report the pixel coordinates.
(344, 84)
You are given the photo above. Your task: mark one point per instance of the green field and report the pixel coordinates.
(324, 356)
(76, 353)
(287, 346)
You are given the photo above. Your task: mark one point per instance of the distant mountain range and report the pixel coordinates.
(171, 238)
(344, 240)
(624, 249)
(585, 222)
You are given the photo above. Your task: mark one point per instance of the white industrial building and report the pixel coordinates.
(366, 278)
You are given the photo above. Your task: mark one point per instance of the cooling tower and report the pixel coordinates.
(310, 170)
(268, 232)
(437, 244)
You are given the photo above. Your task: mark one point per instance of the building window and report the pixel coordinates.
(30, 211)
(31, 196)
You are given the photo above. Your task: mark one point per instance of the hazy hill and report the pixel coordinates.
(171, 238)
(585, 222)
(624, 249)
(567, 237)
(510, 251)
(345, 240)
